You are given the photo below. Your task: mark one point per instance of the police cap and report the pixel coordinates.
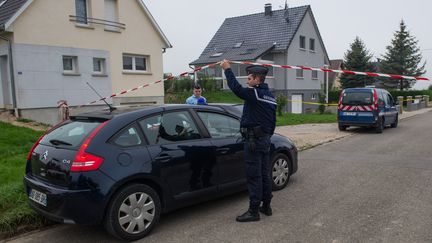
(257, 69)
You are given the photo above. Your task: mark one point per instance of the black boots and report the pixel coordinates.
(266, 209)
(249, 216)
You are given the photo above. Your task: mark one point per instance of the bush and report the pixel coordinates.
(209, 83)
(334, 96)
(281, 101)
(321, 107)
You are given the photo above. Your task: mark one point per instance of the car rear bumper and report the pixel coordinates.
(67, 206)
(358, 124)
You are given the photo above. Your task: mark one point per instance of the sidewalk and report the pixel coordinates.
(311, 135)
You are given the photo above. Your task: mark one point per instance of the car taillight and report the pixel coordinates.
(34, 146)
(85, 161)
(340, 100)
(375, 97)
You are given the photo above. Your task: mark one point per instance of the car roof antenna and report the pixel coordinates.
(111, 109)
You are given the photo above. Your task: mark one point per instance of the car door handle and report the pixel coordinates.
(163, 158)
(223, 150)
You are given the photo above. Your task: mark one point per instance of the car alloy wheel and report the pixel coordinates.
(280, 171)
(136, 213)
(133, 212)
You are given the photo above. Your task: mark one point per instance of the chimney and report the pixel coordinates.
(286, 13)
(267, 9)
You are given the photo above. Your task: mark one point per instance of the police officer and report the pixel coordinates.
(257, 125)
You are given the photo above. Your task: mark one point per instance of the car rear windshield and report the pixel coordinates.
(357, 98)
(70, 134)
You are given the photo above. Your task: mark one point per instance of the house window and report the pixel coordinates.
(99, 66)
(302, 42)
(299, 73)
(70, 64)
(313, 96)
(111, 14)
(81, 11)
(218, 54)
(314, 74)
(238, 44)
(312, 44)
(135, 63)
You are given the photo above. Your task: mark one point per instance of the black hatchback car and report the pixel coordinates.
(124, 168)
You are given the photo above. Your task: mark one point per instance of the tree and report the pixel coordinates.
(403, 57)
(358, 58)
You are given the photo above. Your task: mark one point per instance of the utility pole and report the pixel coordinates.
(326, 81)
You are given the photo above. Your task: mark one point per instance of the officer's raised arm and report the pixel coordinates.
(234, 85)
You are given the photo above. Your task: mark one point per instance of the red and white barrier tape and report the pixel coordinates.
(370, 74)
(148, 84)
(265, 65)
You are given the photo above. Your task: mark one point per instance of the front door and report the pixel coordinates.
(5, 93)
(390, 109)
(228, 145)
(183, 158)
(296, 107)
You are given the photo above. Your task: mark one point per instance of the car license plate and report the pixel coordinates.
(349, 113)
(38, 197)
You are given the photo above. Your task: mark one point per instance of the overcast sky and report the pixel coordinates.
(190, 24)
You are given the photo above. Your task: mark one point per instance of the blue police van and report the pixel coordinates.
(367, 107)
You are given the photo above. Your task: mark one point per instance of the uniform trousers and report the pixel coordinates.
(258, 170)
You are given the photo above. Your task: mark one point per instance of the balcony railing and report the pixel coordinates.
(87, 20)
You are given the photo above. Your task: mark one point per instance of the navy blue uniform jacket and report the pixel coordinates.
(259, 107)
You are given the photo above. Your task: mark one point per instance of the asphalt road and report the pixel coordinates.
(364, 188)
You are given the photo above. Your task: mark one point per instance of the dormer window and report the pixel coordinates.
(217, 54)
(238, 44)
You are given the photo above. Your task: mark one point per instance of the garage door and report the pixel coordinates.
(296, 104)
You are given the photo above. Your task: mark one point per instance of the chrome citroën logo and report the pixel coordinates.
(44, 156)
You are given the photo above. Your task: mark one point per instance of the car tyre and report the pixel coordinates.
(133, 212)
(395, 124)
(281, 171)
(342, 127)
(380, 125)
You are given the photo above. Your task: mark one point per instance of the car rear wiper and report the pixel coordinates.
(58, 142)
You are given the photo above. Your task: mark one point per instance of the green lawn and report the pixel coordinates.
(211, 97)
(295, 119)
(15, 214)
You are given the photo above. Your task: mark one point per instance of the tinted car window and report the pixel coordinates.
(169, 127)
(128, 137)
(71, 134)
(357, 98)
(220, 126)
(390, 100)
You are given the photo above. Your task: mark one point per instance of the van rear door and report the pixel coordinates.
(357, 106)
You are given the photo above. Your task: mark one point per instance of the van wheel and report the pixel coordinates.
(133, 212)
(342, 127)
(281, 171)
(395, 124)
(380, 125)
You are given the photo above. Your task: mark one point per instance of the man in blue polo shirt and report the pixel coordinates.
(196, 98)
